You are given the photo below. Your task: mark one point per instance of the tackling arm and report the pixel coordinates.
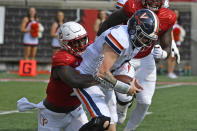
(115, 18)
(72, 77)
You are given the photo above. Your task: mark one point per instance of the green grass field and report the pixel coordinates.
(173, 109)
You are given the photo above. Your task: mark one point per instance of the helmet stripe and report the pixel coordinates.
(158, 23)
(156, 28)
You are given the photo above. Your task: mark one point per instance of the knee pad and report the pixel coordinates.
(96, 124)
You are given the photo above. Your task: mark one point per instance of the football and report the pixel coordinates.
(123, 78)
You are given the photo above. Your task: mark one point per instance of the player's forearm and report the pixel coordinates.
(107, 76)
(74, 79)
(84, 81)
(107, 79)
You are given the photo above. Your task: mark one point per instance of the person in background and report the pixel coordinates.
(30, 28)
(178, 34)
(54, 31)
(102, 16)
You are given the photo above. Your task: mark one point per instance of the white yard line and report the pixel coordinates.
(12, 111)
(168, 86)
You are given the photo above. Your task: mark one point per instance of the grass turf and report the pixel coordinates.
(173, 109)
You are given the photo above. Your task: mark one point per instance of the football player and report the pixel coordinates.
(143, 65)
(61, 109)
(108, 53)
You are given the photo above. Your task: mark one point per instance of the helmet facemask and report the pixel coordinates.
(143, 28)
(153, 5)
(140, 39)
(76, 46)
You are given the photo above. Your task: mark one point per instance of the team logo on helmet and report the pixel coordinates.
(143, 28)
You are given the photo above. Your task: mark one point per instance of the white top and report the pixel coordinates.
(28, 39)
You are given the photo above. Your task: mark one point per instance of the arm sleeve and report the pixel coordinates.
(172, 18)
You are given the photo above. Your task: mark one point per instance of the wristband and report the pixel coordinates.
(122, 87)
(164, 54)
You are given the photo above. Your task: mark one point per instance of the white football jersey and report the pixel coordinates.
(118, 39)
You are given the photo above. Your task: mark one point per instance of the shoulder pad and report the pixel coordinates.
(118, 38)
(62, 58)
(168, 15)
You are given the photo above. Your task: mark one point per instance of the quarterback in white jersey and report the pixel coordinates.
(108, 53)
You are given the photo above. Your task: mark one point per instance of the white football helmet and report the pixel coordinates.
(73, 37)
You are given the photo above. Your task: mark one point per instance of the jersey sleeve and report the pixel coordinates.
(172, 18)
(62, 59)
(129, 8)
(117, 40)
(167, 19)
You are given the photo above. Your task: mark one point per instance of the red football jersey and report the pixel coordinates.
(58, 92)
(166, 17)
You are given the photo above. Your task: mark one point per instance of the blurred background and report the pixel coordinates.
(172, 109)
(85, 12)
